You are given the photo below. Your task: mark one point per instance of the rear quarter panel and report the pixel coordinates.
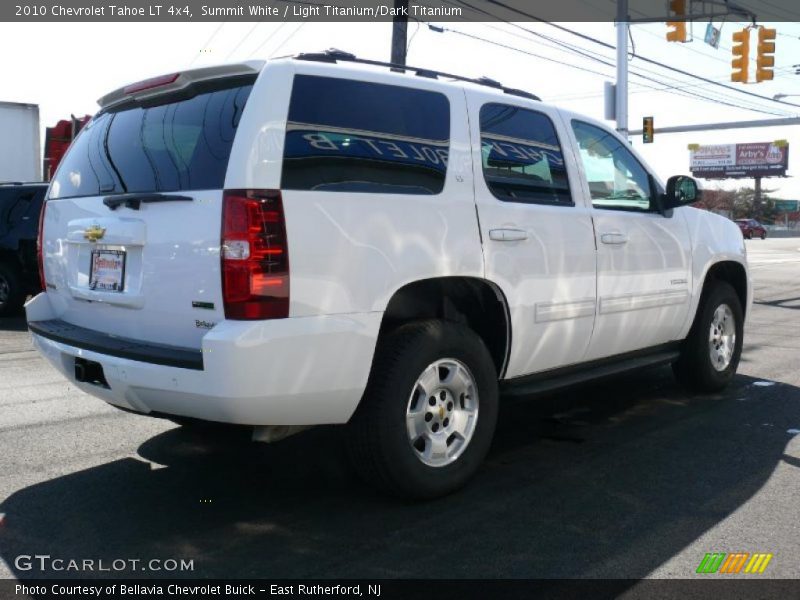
(349, 252)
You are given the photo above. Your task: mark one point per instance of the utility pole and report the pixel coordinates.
(757, 198)
(400, 32)
(622, 67)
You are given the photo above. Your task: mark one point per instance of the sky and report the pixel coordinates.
(64, 68)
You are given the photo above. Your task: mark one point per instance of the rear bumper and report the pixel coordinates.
(296, 371)
(102, 343)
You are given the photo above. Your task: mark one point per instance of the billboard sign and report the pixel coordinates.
(760, 159)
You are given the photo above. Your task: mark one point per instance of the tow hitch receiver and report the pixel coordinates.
(89, 371)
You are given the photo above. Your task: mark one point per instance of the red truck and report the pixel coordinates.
(56, 141)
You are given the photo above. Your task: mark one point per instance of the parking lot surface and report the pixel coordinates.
(627, 478)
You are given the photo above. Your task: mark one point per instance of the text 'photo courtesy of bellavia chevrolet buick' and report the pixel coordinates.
(317, 240)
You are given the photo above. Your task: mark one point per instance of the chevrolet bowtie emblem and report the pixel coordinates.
(94, 233)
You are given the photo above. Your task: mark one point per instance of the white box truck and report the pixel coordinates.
(20, 152)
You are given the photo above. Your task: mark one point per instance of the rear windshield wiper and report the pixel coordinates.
(134, 201)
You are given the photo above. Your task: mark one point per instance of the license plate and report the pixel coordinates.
(108, 271)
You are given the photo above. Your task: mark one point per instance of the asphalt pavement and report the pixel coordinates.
(629, 478)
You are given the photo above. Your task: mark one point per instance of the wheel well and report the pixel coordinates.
(470, 301)
(732, 273)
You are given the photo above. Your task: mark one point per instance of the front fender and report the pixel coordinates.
(715, 239)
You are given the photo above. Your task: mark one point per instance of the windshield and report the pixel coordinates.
(174, 146)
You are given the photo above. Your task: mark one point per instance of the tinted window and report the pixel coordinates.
(522, 157)
(18, 201)
(181, 145)
(617, 181)
(355, 136)
(7, 195)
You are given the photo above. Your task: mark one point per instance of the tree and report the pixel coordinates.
(718, 201)
(746, 207)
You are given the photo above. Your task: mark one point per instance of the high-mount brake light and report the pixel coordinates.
(149, 84)
(255, 255)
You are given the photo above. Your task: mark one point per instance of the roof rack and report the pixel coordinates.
(333, 55)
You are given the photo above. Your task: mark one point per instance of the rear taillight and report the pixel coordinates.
(255, 255)
(40, 247)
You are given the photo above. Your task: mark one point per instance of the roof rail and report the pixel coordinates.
(333, 55)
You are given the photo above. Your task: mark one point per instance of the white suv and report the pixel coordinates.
(317, 240)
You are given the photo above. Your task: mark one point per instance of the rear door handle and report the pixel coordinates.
(614, 238)
(508, 235)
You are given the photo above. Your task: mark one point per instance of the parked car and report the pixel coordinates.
(20, 205)
(751, 228)
(395, 250)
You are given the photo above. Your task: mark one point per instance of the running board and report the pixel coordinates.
(556, 379)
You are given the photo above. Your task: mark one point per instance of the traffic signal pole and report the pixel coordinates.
(621, 100)
(400, 34)
(781, 122)
(676, 19)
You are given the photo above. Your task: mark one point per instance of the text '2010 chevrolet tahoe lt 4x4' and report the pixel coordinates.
(314, 240)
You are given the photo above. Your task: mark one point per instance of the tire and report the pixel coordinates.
(12, 292)
(415, 365)
(764, 235)
(748, 235)
(695, 369)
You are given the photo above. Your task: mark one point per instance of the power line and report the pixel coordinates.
(565, 46)
(269, 37)
(690, 49)
(687, 46)
(669, 89)
(599, 58)
(290, 36)
(547, 58)
(413, 35)
(208, 41)
(787, 13)
(643, 58)
(574, 49)
(242, 41)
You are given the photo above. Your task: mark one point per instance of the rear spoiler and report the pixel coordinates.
(176, 82)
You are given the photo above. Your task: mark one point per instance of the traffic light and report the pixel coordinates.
(741, 56)
(647, 130)
(677, 29)
(765, 59)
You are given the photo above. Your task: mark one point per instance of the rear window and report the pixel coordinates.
(174, 146)
(356, 136)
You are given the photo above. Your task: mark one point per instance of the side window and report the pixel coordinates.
(15, 206)
(356, 136)
(617, 181)
(7, 197)
(522, 157)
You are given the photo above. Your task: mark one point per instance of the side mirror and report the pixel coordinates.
(681, 190)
